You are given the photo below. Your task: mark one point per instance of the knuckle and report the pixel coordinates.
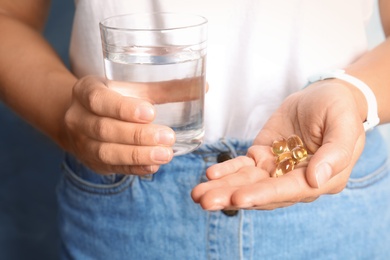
(77, 88)
(314, 131)
(69, 119)
(102, 128)
(103, 154)
(136, 157)
(252, 151)
(138, 136)
(121, 110)
(94, 98)
(241, 200)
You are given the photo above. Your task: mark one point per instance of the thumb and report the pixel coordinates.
(337, 152)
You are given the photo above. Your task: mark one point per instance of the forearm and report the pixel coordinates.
(373, 69)
(33, 80)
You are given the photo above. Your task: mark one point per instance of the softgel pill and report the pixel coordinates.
(289, 153)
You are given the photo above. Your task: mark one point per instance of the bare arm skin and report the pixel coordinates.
(106, 131)
(33, 80)
(373, 68)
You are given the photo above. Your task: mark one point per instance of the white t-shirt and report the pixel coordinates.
(259, 51)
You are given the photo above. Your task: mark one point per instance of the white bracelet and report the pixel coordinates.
(372, 119)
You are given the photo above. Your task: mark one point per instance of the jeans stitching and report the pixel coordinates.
(369, 179)
(81, 184)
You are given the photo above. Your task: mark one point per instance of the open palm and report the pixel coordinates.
(326, 117)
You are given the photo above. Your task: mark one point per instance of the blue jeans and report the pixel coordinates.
(154, 217)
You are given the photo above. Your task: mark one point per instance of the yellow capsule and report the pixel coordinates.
(299, 154)
(284, 167)
(283, 156)
(276, 174)
(294, 141)
(279, 146)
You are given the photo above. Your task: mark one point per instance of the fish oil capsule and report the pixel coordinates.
(279, 146)
(282, 156)
(299, 154)
(284, 167)
(294, 141)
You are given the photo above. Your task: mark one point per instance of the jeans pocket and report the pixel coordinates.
(370, 178)
(89, 181)
(373, 164)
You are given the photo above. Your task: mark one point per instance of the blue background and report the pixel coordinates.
(30, 167)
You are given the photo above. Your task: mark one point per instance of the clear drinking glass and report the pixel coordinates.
(161, 57)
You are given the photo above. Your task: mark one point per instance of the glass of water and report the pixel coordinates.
(161, 57)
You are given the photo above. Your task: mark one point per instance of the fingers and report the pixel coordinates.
(126, 159)
(113, 133)
(243, 176)
(258, 155)
(263, 157)
(228, 167)
(252, 188)
(118, 154)
(331, 126)
(96, 97)
(288, 189)
(103, 142)
(107, 129)
(125, 169)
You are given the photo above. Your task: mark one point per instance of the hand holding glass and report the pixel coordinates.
(161, 57)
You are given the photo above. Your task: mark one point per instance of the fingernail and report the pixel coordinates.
(215, 208)
(323, 174)
(150, 169)
(161, 154)
(165, 136)
(145, 113)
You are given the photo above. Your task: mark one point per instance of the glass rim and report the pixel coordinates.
(203, 21)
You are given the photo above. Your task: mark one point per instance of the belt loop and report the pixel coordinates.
(231, 149)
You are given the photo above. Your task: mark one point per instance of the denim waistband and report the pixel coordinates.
(234, 146)
(162, 207)
(374, 154)
(207, 151)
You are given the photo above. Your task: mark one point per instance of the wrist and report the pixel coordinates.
(365, 98)
(358, 96)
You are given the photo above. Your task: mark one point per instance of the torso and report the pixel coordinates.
(259, 51)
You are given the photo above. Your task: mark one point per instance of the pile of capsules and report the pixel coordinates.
(288, 153)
